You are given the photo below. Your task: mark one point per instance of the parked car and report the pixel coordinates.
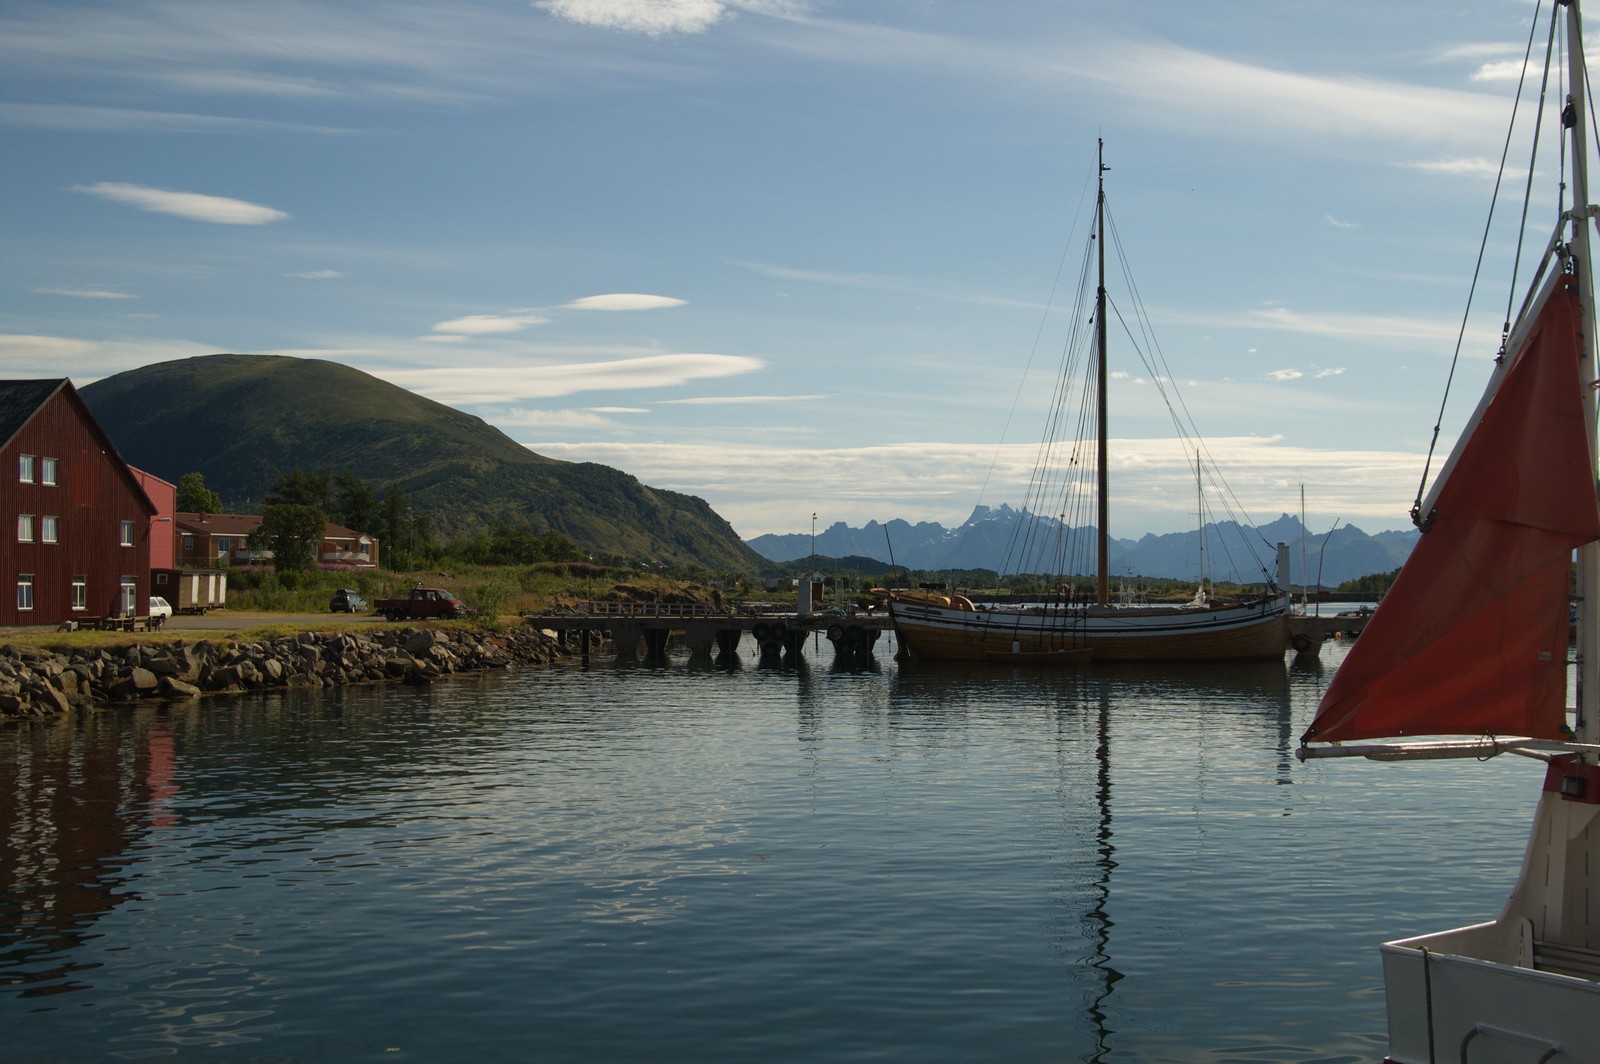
(160, 610)
(346, 601)
(422, 603)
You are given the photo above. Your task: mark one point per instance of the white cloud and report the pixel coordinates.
(316, 275)
(741, 400)
(624, 301)
(193, 205)
(125, 120)
(25, 355)
(1337, 224)
(74, 292)
(1500, 70)
(653, 17)
(489, 324)
(492, 384)
(620, 409)
(1475, 167)
(763, 489)
(1284, 375)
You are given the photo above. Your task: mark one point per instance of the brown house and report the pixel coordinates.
(211, 540)
(74, 522)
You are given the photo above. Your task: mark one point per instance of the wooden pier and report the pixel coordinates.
(635, 630)
(711, 634)
(1308, 632)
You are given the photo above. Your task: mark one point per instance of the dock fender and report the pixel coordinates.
(1301, 642)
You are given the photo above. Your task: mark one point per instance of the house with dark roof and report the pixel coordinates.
(210, 540)
(75, 524)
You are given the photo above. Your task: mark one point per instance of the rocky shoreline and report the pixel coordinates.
(41, 684)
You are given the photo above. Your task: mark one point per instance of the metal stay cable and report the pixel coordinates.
(1417, 516)
(1155, 361)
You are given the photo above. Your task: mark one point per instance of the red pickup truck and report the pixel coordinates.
(423, 603)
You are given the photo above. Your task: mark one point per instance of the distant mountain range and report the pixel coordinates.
(241, 420)
(983, 541)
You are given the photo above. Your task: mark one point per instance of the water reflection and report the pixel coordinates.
(78, 798)
(680, 864)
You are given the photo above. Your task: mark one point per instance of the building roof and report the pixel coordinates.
(20, 400)
(244, 524)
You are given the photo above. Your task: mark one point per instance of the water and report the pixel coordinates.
(665, 864)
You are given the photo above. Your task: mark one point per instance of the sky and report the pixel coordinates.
(794, 257)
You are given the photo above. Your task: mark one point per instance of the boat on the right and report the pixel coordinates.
(1468, 656)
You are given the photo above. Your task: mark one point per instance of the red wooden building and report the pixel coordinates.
(74, 522)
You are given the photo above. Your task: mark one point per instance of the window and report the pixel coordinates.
(47, 470)
(47, 528)
(80, 592)
(25, 591)
(25, 468)
(188, 543)
(127, 533)
(24, 528)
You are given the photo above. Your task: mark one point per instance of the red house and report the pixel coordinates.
(74, 522)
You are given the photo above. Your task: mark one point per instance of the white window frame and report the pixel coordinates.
(127, 533)
(80, 592)
(25, 468)
(130, 597)
(24, 528)
(47, 471)
(25, 592)
(49, 529)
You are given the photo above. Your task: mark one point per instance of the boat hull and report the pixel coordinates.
(1076, 635)
(1485, 1011)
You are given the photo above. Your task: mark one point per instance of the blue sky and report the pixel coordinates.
(791, 256)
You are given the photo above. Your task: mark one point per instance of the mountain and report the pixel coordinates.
(240, 420)
(1232, 551)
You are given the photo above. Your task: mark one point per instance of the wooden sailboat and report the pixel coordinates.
(949, 628)
(1472, 642)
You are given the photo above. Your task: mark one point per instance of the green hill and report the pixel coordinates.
(241, 420)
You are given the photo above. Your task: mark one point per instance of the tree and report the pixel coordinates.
(293, 533)
(297, 488)
(356, 504)
(195, 498)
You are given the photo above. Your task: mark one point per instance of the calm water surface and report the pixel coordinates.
(666, 864)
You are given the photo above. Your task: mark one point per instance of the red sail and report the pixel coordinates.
(1472, 638)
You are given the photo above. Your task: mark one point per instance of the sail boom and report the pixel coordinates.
(1440, 750)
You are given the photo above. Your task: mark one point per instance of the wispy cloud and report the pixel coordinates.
(741, 400)
(942, 482)
(1473, 167)
(489, 324)
(316, 275)
(97, 119)
(1337, 224)
(32, 355)
(193, 205)
(653, 17)
(74, 292)
(624, 301)
(499, 384)
(658, 17)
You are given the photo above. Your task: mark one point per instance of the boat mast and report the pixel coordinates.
(1589, 553)
(1102, 586)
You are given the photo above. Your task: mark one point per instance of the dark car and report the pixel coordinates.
(346, 601)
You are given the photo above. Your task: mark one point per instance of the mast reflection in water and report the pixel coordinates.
(688, 864)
